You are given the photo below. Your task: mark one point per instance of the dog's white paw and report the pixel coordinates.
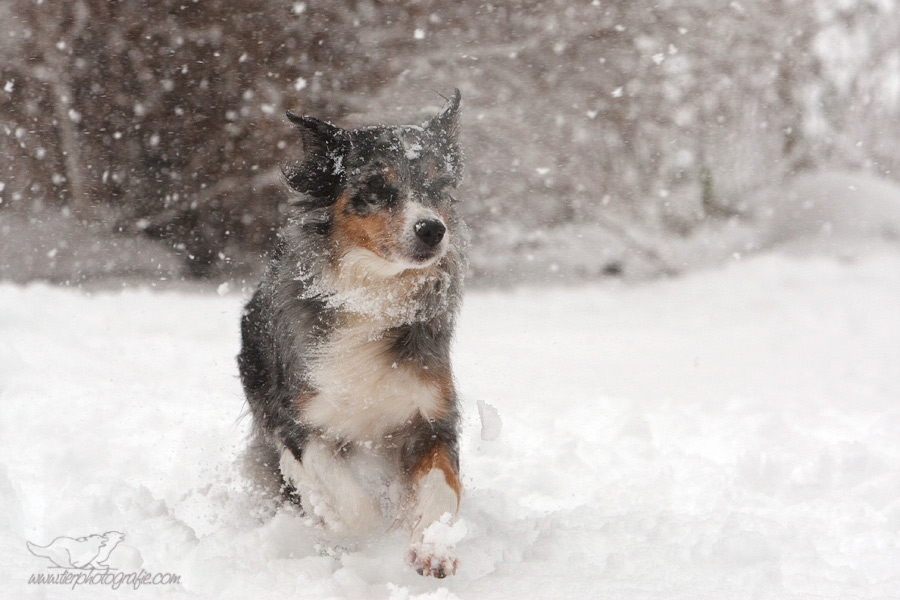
(349, 516)
(432, 560)
(319, 507)
(435, 554)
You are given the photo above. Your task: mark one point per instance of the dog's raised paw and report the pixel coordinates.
(431, 560)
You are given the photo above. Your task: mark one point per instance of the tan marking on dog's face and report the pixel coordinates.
(443, 211)
(390, 174)
(378, 232)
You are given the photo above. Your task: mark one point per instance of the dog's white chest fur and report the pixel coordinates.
(363, 394)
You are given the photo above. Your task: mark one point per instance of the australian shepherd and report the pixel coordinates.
(345, 356)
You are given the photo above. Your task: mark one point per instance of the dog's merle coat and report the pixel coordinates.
(345, 345)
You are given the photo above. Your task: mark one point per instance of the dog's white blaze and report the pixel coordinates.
(363, 283)
(434, 498)
(359, 265)
(362, 394)
(330, 491)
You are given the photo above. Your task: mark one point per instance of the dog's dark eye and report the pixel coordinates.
(377, 190)
(441, 187)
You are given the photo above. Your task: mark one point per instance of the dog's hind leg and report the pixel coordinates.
(437, 492)
(329, 491)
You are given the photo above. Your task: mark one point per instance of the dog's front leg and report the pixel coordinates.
(329, 490)
(436, 492)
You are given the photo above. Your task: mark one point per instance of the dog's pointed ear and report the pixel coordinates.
(321, 173)
(318, 136)
(446, 122)
(443, 128)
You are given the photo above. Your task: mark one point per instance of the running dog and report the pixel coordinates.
(345, 357)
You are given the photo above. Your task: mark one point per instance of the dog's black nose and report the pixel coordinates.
(430, 231)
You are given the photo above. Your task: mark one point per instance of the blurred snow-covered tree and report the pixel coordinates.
(166, 117)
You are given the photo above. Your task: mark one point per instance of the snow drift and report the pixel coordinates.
(732, 433)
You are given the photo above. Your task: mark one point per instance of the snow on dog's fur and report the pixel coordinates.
(345, 357)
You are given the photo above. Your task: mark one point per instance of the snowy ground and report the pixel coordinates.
(729, 434)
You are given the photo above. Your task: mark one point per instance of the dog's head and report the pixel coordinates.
(382, 194)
